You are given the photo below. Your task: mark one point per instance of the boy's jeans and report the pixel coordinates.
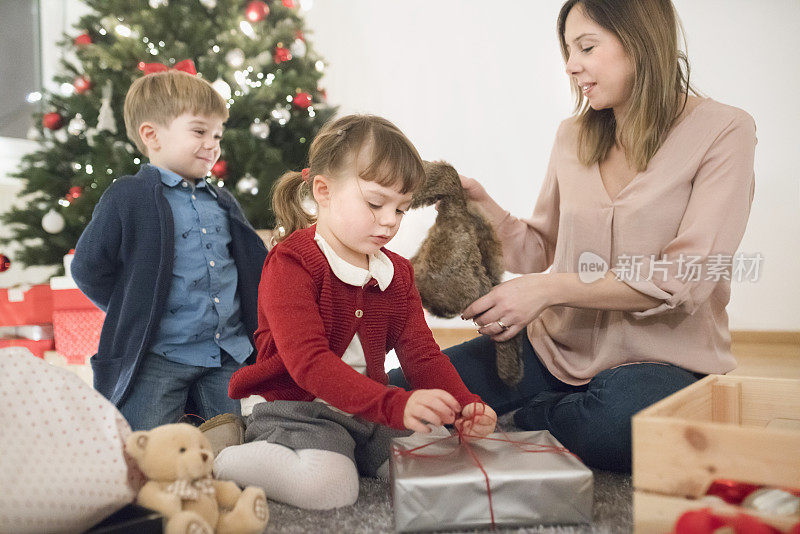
(593, 420)
(162, 389)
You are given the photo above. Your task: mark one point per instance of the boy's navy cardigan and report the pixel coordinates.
(123, 263)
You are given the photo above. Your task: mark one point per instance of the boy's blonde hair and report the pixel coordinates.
(393, 161)
(163, 96)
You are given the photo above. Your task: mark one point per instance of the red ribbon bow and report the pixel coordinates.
(305, 174)
(187, 65)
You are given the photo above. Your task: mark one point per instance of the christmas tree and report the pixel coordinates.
(254, 53)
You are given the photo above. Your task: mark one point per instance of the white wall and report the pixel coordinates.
(482, 85)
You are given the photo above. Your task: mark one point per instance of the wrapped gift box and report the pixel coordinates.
(77, 322)
(438, 484)
(26, 305)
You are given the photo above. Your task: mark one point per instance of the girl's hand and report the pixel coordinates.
(434, 406)
(474, 189)
(511, 306)
(477, 419)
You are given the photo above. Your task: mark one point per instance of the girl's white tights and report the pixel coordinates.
(306, 478)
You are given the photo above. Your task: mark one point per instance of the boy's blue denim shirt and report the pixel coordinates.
(202, 313)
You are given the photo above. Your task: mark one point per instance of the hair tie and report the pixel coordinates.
(340, 131)
(305, 173)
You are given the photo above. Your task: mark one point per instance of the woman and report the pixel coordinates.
(648, 179)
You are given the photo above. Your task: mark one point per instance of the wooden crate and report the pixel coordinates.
(722, 427)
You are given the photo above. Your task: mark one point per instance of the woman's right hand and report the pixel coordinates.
(474, 189)
(434, 406)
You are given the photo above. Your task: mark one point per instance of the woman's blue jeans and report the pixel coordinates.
(592, 420)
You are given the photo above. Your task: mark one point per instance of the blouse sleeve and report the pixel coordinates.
(529, 244)
(711, 229)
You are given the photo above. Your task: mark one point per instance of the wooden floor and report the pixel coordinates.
(758, 353)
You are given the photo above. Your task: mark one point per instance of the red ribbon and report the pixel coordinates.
(461, 435)
(705, 521)
(187, 65)
(305, 174)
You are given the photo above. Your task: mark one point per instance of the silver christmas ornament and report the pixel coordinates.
(247, 184)
(209, 4)
(281, 115)
(158, 3)
(77, 125)
(298, 48)
(222, 87)
(259, 129)
(53, 222)
(235, 58)
(105, 119)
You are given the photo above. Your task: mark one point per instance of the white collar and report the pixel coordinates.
(380, 267)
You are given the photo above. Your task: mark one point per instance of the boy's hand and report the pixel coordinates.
(481, 424)
(434, 406)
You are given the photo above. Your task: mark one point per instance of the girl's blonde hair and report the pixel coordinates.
(393, 161)
(649, 32)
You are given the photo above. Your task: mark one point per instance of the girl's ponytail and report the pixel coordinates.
(287, 204)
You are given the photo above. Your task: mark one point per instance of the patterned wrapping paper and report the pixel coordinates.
(62, 467)
(440, 486)
(77, 333)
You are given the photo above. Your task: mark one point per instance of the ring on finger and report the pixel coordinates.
(501, 325)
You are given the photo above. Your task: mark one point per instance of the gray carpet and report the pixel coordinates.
(372, 513)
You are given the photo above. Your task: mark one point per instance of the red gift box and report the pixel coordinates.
(37, 347)
(18, 307)
(77, 333)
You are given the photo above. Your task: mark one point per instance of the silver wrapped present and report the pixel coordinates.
(437, 482)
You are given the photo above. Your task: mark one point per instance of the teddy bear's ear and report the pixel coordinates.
(136, 444)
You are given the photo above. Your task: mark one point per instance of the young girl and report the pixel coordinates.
(332, 302)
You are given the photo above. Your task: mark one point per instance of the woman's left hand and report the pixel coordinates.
(511, 306)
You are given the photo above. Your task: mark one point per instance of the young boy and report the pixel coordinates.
(172, 261)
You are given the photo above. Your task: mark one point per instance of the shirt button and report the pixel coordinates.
(217, 335)
(184, 184)
(208, 245)
(216, 299)
(211, 263)
(359, 313)
(194, 197)
(204, 231)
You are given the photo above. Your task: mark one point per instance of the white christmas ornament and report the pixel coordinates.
(53, 222)
(105, 119)
(222, 87)
(298, 48)
(209, 4)
(77, 125)
(235, 58)
(259, 129)
(247, 184)
(158, 3)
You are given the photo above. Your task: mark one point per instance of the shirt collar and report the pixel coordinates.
(380, 267)
(172, 179)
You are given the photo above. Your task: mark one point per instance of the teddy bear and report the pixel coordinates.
(460, 259)
(177, 460)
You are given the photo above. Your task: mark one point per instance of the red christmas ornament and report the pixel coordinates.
(5, 263)
(256, 11)
(74, 192)
(302, 100)
(220, 169)
(82, 84)
(52, 120)
(83, 39)
(282, 54)
(288, 3)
